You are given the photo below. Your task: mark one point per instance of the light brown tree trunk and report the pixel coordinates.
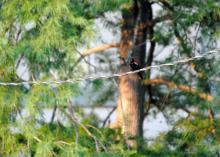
(130, 105)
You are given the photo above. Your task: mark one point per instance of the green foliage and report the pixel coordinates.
(47, 33)
(94, 8)
(189, 137)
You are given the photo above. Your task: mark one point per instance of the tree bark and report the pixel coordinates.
(126, 114)
(130, 105)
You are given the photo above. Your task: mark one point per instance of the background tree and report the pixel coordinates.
(45, 35)
(174, 25)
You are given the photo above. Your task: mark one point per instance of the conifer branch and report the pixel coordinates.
(75, 120)
(185, 88)
(99, 49)
(94, 50)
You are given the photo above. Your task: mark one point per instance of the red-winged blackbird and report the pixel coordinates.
(135, 66)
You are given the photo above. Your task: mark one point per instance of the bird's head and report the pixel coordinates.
(129, 60)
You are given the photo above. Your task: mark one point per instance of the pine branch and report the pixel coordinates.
(167, 5)
(75, 120)
(95, 50)
(103, 47)
(87, 62)
(185, 88)
(161, 19)
(99, 49)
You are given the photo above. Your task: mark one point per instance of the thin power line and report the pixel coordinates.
(90, 78)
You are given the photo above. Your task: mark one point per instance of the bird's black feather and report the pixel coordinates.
(135, 66)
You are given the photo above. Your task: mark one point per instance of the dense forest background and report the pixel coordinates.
(45, 45)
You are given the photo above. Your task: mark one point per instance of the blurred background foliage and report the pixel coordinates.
(47, 33)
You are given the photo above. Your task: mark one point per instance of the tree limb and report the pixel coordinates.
(184, 88)
(95, 50)
(99, 49)
(83, 58)
(162, 18)
(167, 5)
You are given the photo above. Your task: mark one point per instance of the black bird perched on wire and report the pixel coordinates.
(135, 66)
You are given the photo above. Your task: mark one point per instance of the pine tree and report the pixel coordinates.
(173, 25)
(45, 35)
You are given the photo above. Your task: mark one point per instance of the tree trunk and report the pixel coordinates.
(130, 105)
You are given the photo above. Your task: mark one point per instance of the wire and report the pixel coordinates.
(91, 78)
